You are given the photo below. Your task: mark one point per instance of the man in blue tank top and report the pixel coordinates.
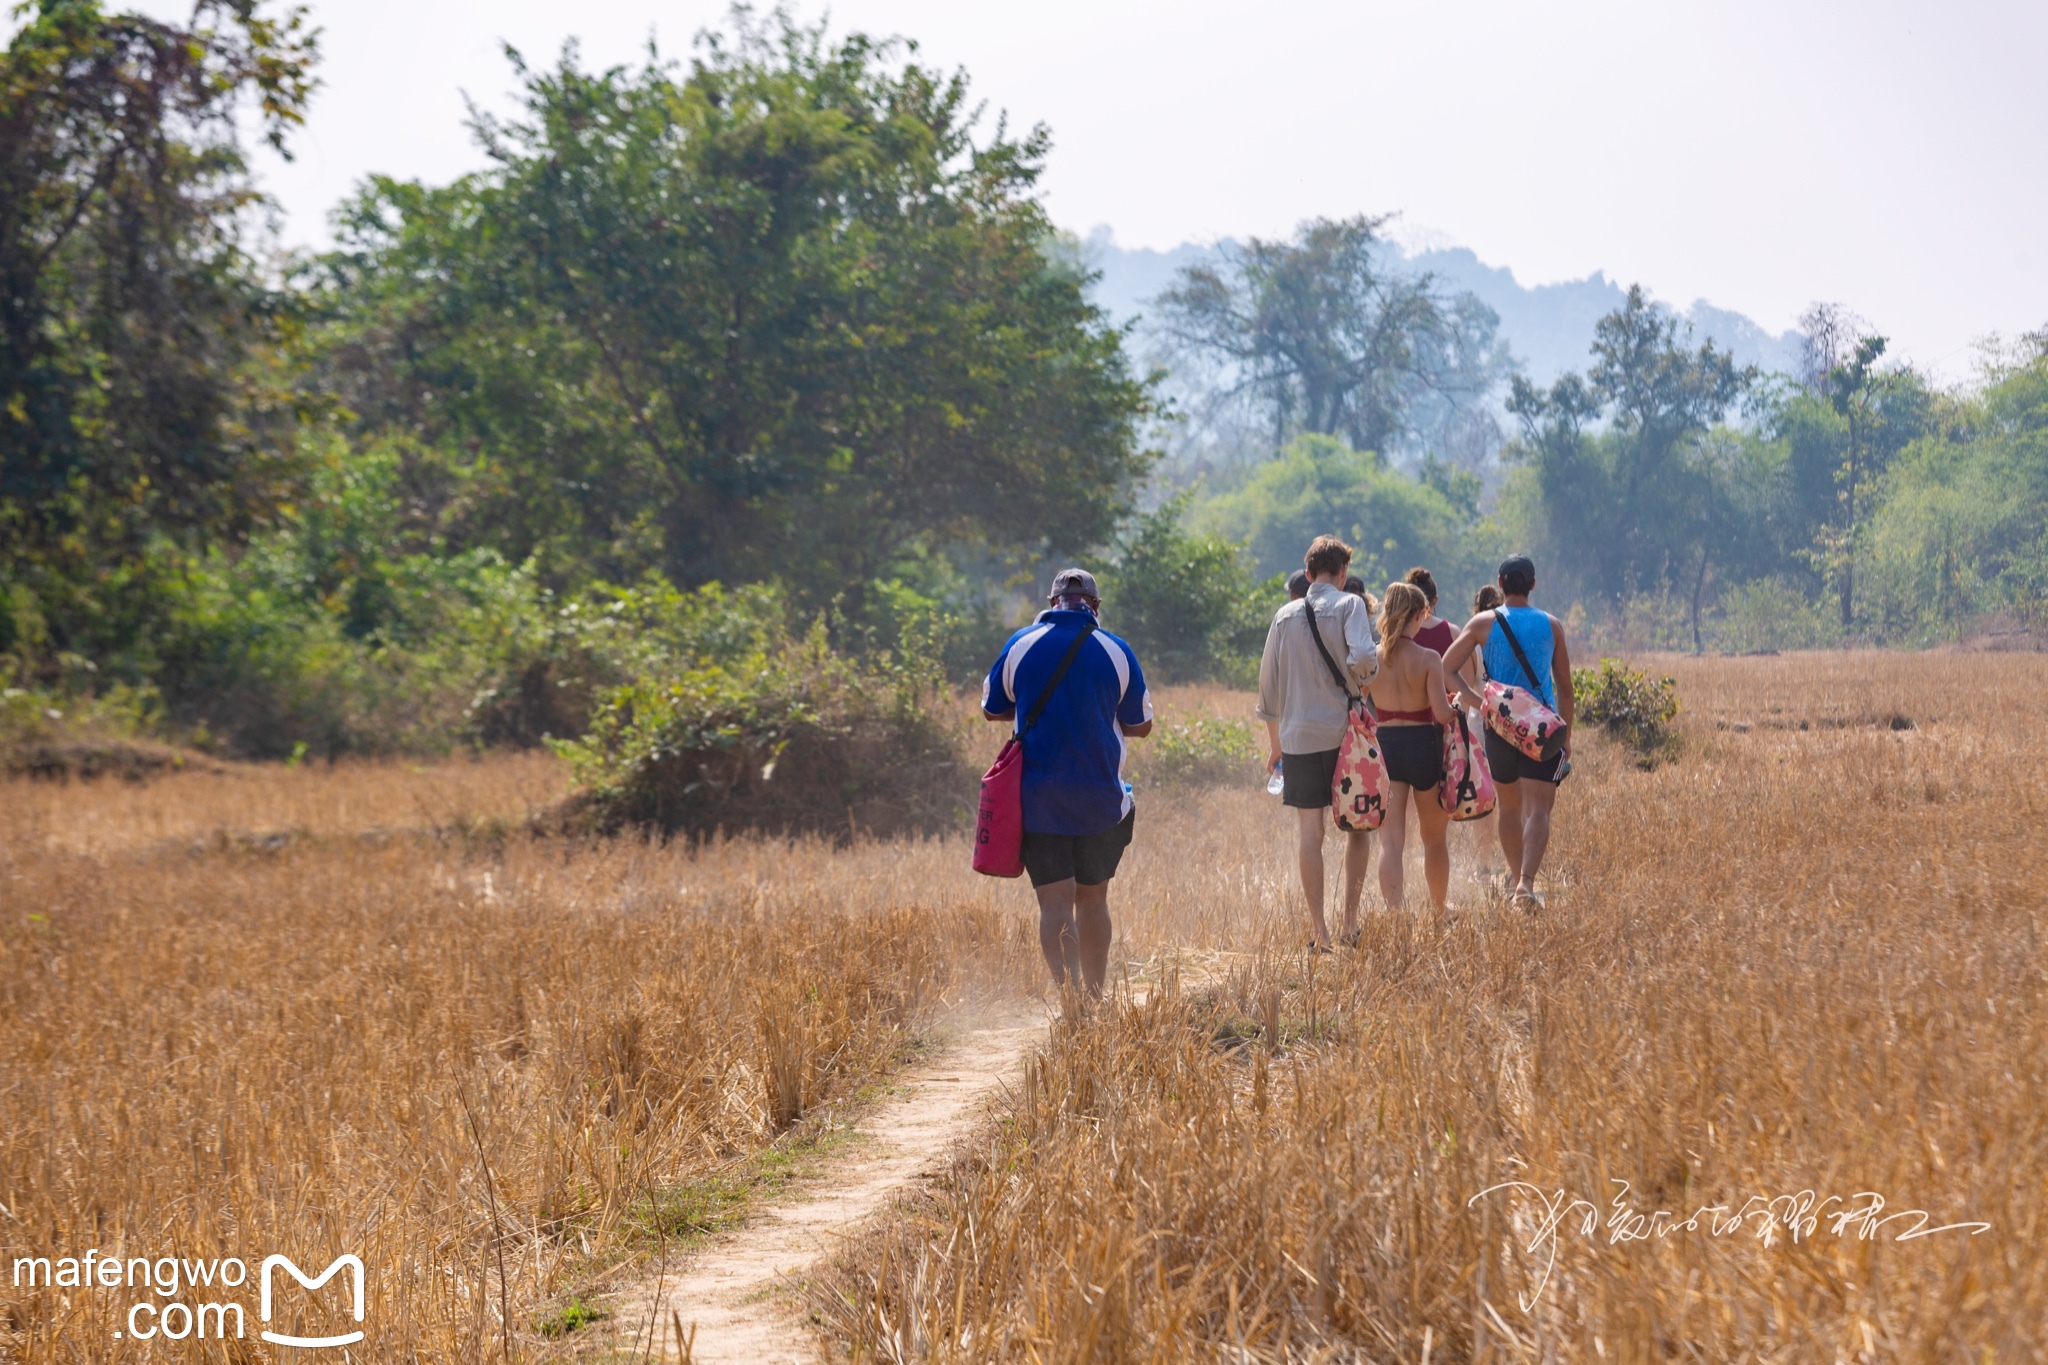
(1078, 810)
(1527, 786)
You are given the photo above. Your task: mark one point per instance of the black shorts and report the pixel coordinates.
(1305, 779)
(1415, 754)
(1509, 764)
(1089, 859)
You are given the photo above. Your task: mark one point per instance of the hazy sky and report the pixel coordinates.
(1760, 155)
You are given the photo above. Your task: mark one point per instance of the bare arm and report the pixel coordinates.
(1561, 672)
(1138, 731)
(1272, 744)
(1439, 700)
(1455, 658)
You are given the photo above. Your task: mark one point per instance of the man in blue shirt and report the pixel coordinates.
(1078, 811)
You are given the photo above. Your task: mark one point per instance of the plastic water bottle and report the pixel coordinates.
(1274, 784)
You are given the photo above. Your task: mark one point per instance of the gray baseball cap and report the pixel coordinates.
(1068, 582)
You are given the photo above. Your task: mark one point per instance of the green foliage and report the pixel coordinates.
(570, 1317)
(1189, 603)
(781, 316)
(787, 737)
(1628, 704)
(1328, 341)
(139, 408)
(1320, 486)
(1198, 753)
(1644, 503)
(1767, 615)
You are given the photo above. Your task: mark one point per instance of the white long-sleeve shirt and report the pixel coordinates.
(1295, 686)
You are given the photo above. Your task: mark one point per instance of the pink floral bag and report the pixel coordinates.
(1358, 789)
(1518, 715)
(1467, 792)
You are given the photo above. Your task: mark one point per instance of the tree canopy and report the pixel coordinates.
(779, 315)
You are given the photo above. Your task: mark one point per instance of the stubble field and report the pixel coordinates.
(1793, 971)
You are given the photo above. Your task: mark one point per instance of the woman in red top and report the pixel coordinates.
(1434, 632)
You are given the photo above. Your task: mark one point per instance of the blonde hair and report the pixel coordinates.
(1402, 607)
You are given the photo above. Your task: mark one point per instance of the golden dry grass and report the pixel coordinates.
(1805, 957)
(324, 1011)
(257, 1011)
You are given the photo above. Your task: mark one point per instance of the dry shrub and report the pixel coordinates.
(791, 738)
(486, 1065)
(1805, 957)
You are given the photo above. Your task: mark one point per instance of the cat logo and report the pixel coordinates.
(353, 1263)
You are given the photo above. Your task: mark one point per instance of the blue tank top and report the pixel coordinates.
(1532, 631)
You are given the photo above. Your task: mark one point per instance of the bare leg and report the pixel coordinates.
(1310, 855)
(1510, 815)
(1394, 843)
(1091, 913)
(1058, 937)
(1357, 862)
(1537, 800)
(1436, 848)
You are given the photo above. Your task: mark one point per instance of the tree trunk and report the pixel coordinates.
(1699, 586)
(1849, 533)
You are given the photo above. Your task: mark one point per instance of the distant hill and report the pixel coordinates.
(1547, 327)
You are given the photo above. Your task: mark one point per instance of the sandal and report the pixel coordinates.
(1350, 940)
(1316, 949)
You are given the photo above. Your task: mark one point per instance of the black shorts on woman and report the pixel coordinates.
(1415, 754)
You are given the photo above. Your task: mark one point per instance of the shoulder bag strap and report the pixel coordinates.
(1501, 621)
(1315, 633)
(1058, 675)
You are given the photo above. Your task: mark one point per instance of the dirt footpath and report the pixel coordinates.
(725, 1290)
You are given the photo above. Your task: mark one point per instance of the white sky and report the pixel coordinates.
(1760, 154)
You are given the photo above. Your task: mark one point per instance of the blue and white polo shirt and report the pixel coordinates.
(1074, 756)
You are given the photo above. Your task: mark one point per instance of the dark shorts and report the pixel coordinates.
(1415, 754)
(1305, 779)
(1509, 764)
(1089, 859)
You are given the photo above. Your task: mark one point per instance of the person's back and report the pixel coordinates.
(1527, 786)
(1532, 629)
(1407, 671)
(1320, 652)
(1078, 811)
(1074, 755)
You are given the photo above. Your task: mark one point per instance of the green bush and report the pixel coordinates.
(1191, 605)
(1198, 753)
(790, 737)
(1770, 614)
(1628, 704)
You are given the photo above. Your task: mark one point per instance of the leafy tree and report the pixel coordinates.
(1190, 603)
(1640, 504)
(132, 413)
(1318, 486)
(783, 316)
(1324, 340)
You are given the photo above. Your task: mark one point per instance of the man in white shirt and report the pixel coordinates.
(1306, 713)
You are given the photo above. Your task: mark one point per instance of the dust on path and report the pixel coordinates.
(727, 1289)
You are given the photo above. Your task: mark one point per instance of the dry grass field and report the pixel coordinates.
(360, 1009)
(1796, 971)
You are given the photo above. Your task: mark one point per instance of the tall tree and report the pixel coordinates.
(1631, 508)
(128, 302)
(782, 316)
(1325, 340)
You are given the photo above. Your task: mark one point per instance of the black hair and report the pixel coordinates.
(1517, 575)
